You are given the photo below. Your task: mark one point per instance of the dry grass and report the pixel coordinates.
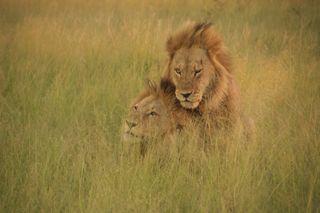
(68, 69)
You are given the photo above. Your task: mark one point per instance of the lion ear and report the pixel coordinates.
(151, 85)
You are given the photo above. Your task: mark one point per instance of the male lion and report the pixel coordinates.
(200, 70)
(154, 114)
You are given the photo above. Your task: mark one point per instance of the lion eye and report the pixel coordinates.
(178, 71)
(196, 72)
(153, 113)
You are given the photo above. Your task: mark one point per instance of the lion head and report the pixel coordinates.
(199, 66)
(150, 115)
(155, 113)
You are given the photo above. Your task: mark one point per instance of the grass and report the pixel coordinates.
(69, 69)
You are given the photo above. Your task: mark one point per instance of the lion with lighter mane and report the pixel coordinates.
(154, 114)
(200, 70)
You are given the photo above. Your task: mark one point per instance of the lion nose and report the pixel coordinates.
(131, 124)
(186, 95)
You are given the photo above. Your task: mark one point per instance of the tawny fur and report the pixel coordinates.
(221, 98)
(175, 117)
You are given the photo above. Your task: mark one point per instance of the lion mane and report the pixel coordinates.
(170, 117)
(221, 97)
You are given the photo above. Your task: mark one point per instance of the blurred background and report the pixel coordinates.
(69, 69)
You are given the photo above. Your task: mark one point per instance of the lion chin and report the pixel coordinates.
(189, 105)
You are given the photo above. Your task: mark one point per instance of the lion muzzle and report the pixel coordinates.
(188, 99)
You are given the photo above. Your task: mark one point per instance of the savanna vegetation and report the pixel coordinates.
(70, 68)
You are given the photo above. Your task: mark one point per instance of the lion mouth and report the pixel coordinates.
(132, 134)
(189, 104)
(129, 135)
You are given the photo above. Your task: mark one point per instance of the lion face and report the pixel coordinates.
(191, 71)
(147, 118)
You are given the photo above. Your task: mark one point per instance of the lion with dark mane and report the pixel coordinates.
(199, 69)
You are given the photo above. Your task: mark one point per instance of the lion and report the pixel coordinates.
(155, 114)
(199, 67)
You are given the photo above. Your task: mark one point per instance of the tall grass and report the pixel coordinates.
(68, 70)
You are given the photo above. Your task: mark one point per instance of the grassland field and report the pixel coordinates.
(70, 68)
